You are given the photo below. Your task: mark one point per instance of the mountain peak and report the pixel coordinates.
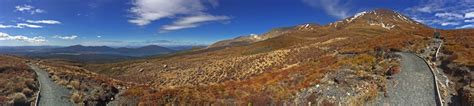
(385, 18)
(380, 14)
(76, 46)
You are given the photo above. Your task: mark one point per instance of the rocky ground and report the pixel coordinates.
(50, 92)
(414, 85)
(455, 60)
(86, 88)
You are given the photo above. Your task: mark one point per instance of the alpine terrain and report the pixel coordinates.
(377, 57)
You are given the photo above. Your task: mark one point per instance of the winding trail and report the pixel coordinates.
(51, 94)
(413, 86)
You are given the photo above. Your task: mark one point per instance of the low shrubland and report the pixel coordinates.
(18, 82)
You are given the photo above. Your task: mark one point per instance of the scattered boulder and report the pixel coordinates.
(77, 97)
(19, 99)
(393, 70)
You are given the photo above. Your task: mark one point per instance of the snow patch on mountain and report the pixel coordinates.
(255, 36)
(305, 27)
(356, 16)
(383, 25)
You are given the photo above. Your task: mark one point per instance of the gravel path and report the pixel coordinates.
(51, 93)
(413, 86)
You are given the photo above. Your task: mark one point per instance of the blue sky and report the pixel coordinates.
(194, 22)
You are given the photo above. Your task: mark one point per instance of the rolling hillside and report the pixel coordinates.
(354, 54)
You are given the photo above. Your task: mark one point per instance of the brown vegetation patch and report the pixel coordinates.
(18, 82)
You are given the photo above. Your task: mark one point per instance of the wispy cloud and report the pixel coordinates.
(446, 13)
(449, 15)
(25, 25)
(43, 21)
(191, 22)
(72, 37)
(469, 15)
(20, 25)
(466, 26)
(38, 39)
(146, 11)
(450, 23)
(28, 9)
(335, 8)
(469, 20)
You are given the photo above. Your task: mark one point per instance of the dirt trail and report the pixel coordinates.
(51, 93)
(413, 86)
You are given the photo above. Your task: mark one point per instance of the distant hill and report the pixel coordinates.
(17, 49)
(82, 53)
(136, 52)
(252, 38)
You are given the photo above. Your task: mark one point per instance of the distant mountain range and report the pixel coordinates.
(93, 53)
(252, 38)
(136, 52)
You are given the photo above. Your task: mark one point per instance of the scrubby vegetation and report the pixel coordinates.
(297, 62)
(18, 84)
(344, 61)
(88, 88)
(458, 62)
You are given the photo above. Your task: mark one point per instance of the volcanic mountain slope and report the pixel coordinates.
(353, 54)
(252, 38)
(384, 18)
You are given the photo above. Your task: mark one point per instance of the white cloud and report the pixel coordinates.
(471, 20)
(469, 15)
(449, 15)
(43, 21)
(426, 9)
(7, 26)
(99, 36)
(28, 9)
(191, 22)
(24, 8)
(419, 20)
(72, 37)
(38, 39)
(466, 26)
(334, 8)
(20, 25)
(146, 11)
(449, 23)
(25, 25)
(214, 3)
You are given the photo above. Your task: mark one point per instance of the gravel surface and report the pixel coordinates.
(51, 93)
(413, 86)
